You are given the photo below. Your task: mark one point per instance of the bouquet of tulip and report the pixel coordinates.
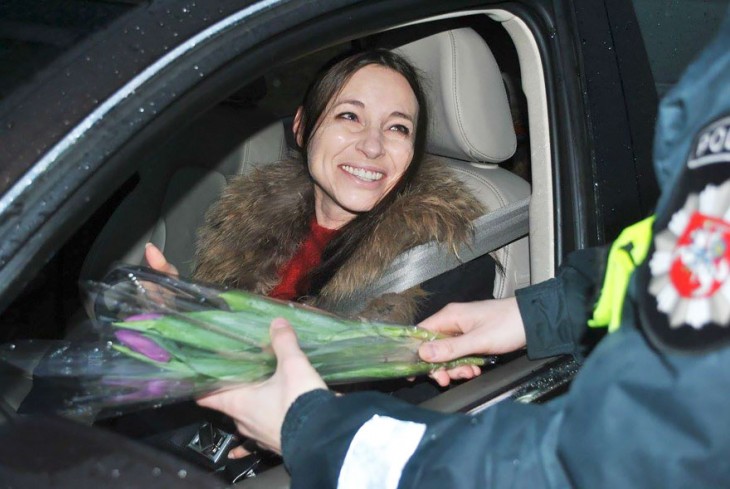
(167, 339)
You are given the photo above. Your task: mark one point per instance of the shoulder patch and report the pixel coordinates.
(685, 294)
(691, 262)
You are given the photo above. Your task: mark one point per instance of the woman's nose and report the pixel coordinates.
(371, 142)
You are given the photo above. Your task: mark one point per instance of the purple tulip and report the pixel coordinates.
(142, 344)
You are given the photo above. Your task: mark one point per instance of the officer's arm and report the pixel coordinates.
(374, 440)
(556, 311)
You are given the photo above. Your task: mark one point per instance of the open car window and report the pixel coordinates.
(188, 166)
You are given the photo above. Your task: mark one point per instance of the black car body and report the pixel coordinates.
(78, 122)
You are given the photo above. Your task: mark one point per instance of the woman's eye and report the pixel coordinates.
(349, 116)
(401, 129)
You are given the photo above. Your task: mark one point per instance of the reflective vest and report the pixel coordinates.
(627, 252)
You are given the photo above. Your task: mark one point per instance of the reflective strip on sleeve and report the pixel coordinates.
(378, 452)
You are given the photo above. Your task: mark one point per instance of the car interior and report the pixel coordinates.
(472, 131)
(486, 92)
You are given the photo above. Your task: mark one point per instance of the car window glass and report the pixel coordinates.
(674, 32)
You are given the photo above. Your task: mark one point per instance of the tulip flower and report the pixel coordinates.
(188, 339)
(143, 345)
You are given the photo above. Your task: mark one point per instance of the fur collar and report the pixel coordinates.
(263, 216)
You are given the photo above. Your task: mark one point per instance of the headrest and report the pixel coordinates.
(266, 145)
(469, 115)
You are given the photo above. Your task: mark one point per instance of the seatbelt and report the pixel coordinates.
(492, 231)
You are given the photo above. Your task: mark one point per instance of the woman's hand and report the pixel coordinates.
(156, 260)
(480, 328)
(259, 410)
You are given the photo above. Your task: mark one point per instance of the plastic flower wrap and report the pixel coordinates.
(164, 339)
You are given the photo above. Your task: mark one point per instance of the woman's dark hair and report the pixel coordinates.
(321, 92)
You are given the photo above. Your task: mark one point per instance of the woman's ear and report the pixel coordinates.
(297, 127)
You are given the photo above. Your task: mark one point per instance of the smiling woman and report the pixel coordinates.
(319, 228)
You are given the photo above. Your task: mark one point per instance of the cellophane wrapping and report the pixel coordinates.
(162, 339)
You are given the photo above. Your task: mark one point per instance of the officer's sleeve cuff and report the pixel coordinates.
(297, 416)
(541, 313)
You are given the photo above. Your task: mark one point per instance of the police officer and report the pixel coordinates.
(649, 407)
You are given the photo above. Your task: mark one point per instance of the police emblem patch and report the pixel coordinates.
(691, 263)
(713, 145)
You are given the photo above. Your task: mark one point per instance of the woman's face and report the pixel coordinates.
(364, 143)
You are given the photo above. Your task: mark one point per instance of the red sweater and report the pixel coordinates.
(293, 283)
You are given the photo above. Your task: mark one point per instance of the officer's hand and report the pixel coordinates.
(479, 328)
(259, 410)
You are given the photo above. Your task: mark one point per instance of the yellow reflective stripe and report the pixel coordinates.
(627, 252)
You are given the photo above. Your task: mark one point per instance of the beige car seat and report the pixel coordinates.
(471, 129)
(178, 184)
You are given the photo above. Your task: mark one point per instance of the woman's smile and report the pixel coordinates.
(362, 173)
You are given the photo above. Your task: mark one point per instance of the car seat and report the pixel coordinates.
(178, 184)
(471, 130)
